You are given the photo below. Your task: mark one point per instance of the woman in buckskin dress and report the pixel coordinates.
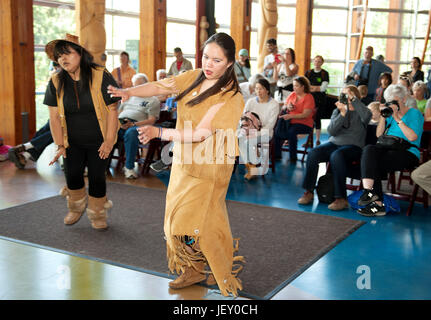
(197, 229)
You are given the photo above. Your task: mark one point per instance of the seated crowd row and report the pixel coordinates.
(282, 105)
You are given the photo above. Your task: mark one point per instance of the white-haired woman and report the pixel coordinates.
(376, 161)
(419, 91)
(133, 113)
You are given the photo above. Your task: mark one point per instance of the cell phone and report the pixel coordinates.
(277, 58)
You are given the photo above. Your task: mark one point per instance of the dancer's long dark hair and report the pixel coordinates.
(228, 80)
(87, 65)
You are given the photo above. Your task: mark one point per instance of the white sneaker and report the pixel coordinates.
(130, 173)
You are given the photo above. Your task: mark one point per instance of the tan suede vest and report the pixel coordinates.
(99, 104)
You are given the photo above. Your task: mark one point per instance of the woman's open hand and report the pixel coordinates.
(61, 151)
(117, 92)
(105, 149)
(147, 133)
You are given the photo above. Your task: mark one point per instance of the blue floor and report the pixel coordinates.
(387, 258)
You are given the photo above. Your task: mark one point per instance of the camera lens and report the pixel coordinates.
(386, 112)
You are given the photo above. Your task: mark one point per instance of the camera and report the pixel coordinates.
(343, 98)
(387, 111)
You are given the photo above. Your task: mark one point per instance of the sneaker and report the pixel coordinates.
(14, 155)
(307, 198)
(130, 173)
(373, 210)
(367, 197)
(159, 166)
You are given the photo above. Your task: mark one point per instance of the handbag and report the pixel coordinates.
(393, 142)
(282, 127)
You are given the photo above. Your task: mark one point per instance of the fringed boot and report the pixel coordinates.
(97, 212)
(76, 202)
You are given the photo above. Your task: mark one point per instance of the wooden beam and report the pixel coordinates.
(201, 31)
(393, 46)
(363, 26)
(267, 28)
(90, 27)
(152, 44)
(17, 80)
(426, 37)
(304, 18)
(240, 23)
(356, 28)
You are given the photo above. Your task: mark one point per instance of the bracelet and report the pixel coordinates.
(399, 122)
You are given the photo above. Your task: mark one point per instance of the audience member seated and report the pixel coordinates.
(374, 107)
(285, 70)
(416, 73)
(242, 66)
(265, 110)
(419, 91)
(347, 130)
(248, 88)
(427, 113)
(406, 123)
(124, 73)
(363, 91)
(384, 81)
(296, 118)
(407, 83)
(319, 80)
(367, 71)
(32, 149)
(161, 74)
(133, 113)
(422, 176)
(180, 65)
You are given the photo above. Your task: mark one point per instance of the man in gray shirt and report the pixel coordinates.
(133, 113)
(347, 129)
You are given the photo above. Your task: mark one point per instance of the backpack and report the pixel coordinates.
(325, 188)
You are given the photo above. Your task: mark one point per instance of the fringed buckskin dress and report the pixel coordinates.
(200, 176)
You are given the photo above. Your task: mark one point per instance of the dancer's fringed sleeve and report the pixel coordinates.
(196, 197)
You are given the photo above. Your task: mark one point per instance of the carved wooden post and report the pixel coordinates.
(267, 29)
(90, 27)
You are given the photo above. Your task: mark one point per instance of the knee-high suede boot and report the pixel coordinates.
(97, 212)
(76, 202)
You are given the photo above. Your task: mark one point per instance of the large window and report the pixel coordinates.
(181, 30)
(50, 22)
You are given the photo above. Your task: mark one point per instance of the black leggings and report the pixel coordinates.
(79, 157)
(377, 162)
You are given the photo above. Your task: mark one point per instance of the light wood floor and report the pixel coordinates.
(27, 272)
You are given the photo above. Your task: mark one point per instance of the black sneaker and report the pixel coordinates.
(367, 197)
(159, 166)
(373, 210)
